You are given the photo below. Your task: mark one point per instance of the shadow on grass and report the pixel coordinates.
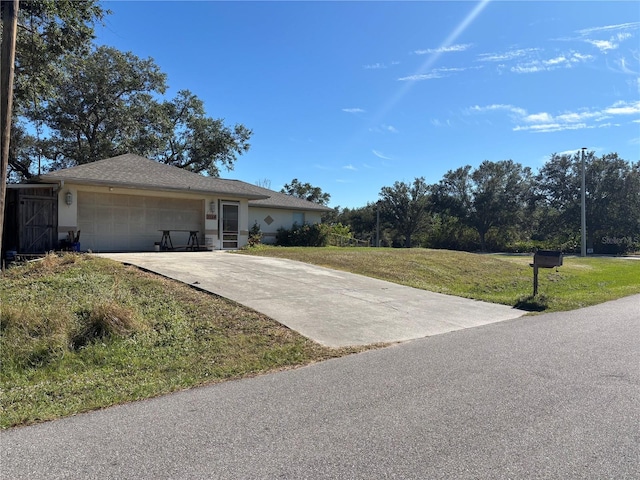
(539, 303)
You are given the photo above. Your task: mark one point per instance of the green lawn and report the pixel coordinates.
(80, 332)
(506, 279)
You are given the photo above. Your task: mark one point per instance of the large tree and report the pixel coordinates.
(99, 106)
(106, 103)
(48, 30)
(612, 197)
(306, 191)
(495, 195)
(406, 207)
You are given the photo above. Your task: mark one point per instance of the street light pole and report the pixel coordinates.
(583, 216)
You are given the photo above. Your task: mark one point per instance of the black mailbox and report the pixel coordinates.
(547, 258)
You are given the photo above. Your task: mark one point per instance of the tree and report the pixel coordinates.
(495, 195)
(612, 198)
(100, 106)
(406, 206)
(106, 104)
(48, 31)
(179, 133)
(306, 191)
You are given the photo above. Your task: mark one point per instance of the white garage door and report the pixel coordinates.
(114, 223)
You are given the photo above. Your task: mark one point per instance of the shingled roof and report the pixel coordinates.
(282, 200)
(134, 171)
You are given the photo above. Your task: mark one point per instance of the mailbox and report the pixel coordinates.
(547, 258)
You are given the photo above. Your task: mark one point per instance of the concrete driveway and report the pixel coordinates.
(331, 307)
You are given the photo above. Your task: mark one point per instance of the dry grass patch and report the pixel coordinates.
(80, 332)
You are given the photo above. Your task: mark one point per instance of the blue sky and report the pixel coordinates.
(353, 96)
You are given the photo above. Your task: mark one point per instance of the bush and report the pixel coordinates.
(255, 235)
(316, 235)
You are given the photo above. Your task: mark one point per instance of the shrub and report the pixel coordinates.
(316, 235)
(255, 235)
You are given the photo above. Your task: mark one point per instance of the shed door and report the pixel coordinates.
(37, 223)
(112, 222)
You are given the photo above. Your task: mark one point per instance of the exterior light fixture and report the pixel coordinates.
(68, 198)
(212, 206)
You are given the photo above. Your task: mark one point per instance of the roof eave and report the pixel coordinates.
(107, 183)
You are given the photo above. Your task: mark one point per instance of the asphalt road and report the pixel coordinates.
(550, 396)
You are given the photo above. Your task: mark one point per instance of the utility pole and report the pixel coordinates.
(583, 211)
(7, 64)
(378, 224)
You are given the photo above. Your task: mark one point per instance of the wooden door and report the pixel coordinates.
(37, 221)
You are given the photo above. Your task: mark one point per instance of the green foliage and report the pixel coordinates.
(98, 103)
(48, 30)
(306, 191)
(406, 208)
(306, 235)
(255, 235)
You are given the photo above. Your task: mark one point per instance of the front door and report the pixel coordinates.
(230, 225)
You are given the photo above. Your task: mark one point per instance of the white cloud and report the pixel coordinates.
(380, 155)
(609, 28)
(390, 128)
(451, 48)
(422, 76)
(505, 56)
(538, 117)
(353, 110)
(622, 108)
(565, 60)
(350, 167)
(603, 45)
(547, 122)
(374, 66)
(617, 34)
(498, 107)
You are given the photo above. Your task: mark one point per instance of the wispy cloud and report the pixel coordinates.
(438, 123)
(441, 72)
(461, 47)
(506, 56)
(546, 122)
(374, 66)
(353, 110)
(610, 28)
(350, 167)
(531, 60)
(381, 155)
(421, 76)
(383, 129)
(616, 35)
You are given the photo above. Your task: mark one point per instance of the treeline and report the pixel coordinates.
(503, 206)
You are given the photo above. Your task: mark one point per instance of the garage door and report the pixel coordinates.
(112, 223)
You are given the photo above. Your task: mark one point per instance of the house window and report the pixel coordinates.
(298, 218)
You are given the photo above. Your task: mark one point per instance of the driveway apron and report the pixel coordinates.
(331, 307)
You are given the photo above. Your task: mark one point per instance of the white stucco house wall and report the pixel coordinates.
(126, 203)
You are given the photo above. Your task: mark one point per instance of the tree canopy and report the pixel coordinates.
(306, 191)
(78, 103)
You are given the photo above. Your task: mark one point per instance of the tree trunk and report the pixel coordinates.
(7, 65)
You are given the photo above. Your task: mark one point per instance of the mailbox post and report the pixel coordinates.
(544, 259)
